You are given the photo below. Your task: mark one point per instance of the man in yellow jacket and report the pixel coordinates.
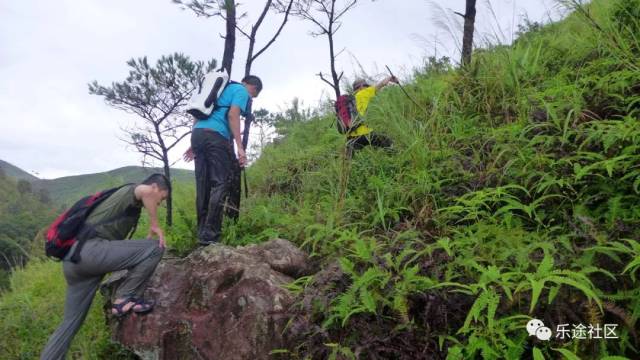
(362, 135)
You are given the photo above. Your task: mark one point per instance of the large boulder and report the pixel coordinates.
(219, 302)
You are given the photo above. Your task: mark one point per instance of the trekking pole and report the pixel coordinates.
(406, 93)
(246, 188)
(245, 142)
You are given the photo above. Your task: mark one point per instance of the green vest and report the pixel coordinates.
(116, 216)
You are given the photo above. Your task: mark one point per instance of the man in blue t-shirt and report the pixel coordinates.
(212, 142)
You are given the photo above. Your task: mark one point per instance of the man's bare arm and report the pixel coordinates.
(386, 82)
(151, 203)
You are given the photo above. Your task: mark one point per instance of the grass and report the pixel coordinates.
(505, 195)
(511, 193)
(31, 311)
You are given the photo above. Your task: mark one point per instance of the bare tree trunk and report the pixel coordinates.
(167, 173)
(252, 38)
(230, 37)
(467, 38)
(334, 74)
(247, 71)
(251, 57)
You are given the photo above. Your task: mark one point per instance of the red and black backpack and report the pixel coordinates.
(65, 230)
(346, 112)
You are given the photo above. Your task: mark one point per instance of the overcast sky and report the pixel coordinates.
(49, 51)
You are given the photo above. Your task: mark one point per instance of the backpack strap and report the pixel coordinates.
(216, 106)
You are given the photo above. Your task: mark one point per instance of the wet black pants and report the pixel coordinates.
(373, 139)
(215, 164)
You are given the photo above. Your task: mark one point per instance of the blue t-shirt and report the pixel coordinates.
(233, 95)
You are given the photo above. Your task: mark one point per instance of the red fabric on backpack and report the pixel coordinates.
(346, 112)
(63, 232)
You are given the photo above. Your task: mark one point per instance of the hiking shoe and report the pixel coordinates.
(206, 237)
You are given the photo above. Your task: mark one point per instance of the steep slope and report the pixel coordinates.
(511, 194)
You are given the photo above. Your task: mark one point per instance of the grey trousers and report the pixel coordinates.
(99, 257)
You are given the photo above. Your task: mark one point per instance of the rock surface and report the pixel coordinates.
(218, 303)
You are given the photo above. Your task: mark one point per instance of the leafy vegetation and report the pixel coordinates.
(23, 212)
(509, 194)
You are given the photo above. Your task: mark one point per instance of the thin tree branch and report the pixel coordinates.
(177, 141)
(242, 32)
(343, 11)
(273, 39)
(323, 79)
(254, 28)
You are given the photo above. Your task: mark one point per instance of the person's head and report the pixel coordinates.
(253, 85)
(360, 84)
(160, 185)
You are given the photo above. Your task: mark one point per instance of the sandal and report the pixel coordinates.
(142, 306)
(118, 310)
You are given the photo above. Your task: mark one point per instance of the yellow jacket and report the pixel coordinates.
(363, 98)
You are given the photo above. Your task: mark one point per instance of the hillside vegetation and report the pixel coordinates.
(23, 212)
(511, 193)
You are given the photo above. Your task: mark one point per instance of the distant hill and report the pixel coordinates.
(23, 213)
(65, 190)
(16, 172)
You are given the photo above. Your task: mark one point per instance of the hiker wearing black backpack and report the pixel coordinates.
(89, 239)
(212, 142)
(351, 111)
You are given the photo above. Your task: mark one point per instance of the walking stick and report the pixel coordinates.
(406, 93)
(246, 188)
(245, 141)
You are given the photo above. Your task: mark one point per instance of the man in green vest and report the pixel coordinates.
(105, 251)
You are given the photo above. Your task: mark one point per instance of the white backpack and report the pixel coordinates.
(203, 103)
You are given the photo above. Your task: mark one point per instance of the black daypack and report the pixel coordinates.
(66, 229)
